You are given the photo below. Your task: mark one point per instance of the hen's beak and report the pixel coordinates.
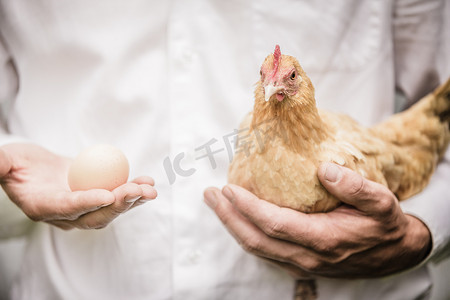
(271, 89)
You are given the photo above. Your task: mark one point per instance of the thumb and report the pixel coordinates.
(5, 164)
(353, 189)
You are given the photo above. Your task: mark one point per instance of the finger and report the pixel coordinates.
(249, 236)
(144, 180)
(275, 221)
(148, 193)
(327, 235)
(64, 225)
(69, 205)
(5, 164)
(125, 196)
(351, 188)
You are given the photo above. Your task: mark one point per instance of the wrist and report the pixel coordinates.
(417, 240)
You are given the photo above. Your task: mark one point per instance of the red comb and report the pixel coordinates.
(277, 53)
(276, 57)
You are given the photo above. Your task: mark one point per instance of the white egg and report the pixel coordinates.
(98, 167)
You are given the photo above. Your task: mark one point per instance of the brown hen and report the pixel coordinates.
(283, 141)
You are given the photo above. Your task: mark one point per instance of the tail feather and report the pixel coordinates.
(423, 125)
(443, 90)
(442, 93)
(420, 136)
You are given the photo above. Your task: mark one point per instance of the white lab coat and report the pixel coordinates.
(165, 81)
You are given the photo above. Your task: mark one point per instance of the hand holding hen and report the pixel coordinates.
(298, 138)
(373, 238)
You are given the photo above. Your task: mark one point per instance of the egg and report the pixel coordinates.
(98, 167)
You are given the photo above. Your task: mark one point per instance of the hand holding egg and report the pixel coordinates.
(104, 167)
(97, 177)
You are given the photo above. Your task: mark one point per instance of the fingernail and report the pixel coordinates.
(134, 199)
(143, 200)
(211, 198)
(103, 205)
(333, 173)
(227, 192)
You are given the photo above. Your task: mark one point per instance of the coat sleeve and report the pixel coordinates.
(421, 63)
(420, 46)
(13, 221)
(9, 86)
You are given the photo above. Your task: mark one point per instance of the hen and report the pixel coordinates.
(283, 141)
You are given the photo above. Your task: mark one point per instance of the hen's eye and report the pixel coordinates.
(293, 75)
(260, 72)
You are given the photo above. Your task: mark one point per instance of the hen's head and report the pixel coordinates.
(283, 80)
